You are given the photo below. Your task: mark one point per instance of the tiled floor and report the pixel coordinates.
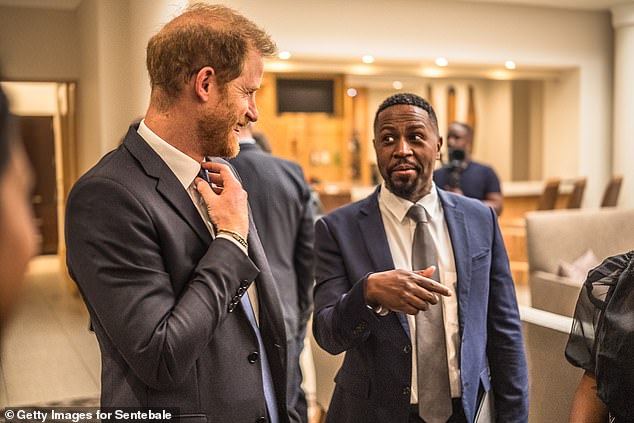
(47, 352)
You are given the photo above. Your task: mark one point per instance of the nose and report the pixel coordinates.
(252, 110)
(403, 148)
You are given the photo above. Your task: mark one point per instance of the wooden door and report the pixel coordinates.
(39, 141)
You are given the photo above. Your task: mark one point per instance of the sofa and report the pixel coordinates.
(557, 236)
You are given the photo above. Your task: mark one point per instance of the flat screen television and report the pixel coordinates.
(305, 95)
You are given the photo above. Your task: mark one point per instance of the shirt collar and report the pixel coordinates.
(184, 167)
(247, 141)
(399, 206)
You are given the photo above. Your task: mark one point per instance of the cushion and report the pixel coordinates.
(578, 269)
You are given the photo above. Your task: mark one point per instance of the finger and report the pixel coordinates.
(220, 173)
(423, 296)
(428, 272)
(216, 179)
(205, 189)
(432, 285)
(414, 310)
(421, 299)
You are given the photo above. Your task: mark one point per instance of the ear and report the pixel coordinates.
(204, 82)
(438, 147)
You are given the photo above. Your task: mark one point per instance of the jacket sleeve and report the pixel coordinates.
(304, 259)
(341, 319)
(505, 347)
(115, 255)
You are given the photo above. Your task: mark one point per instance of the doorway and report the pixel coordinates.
(46, 116)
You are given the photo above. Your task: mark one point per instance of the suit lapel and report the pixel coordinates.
(373, 232)
(458, 234)
(167, 184)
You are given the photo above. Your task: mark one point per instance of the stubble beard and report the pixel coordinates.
(215, 131)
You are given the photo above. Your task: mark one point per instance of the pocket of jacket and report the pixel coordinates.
(480, 255)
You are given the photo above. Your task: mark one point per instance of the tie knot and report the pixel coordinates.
(202, 173)
(418, 214)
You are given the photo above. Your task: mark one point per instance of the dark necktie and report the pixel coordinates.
(434, 392)
(267, 377)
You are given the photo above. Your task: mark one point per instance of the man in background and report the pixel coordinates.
(161, 244)
(464, 176)
(281, 204)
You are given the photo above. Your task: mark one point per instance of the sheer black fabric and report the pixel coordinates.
(602, 336)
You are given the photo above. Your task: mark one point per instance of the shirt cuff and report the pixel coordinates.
(244, 250)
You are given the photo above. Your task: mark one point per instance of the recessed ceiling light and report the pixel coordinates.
(441, 61)
(284, 55)
(509, 64)
(351, 92)
(368, 59)
(431, 72)
(397, 85)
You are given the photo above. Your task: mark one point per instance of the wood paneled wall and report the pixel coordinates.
(320, 143)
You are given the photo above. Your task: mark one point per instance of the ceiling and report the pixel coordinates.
(564, 4)
(43, 4)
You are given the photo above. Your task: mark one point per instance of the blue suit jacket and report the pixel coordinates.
(373, 384)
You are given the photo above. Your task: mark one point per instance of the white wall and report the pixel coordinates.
(114, 87)
(38, 45)
(497, 126)
(156, 13)
(561, 155)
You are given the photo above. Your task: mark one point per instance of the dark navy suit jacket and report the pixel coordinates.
(373, 384)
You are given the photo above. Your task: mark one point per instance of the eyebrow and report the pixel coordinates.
(413, 126)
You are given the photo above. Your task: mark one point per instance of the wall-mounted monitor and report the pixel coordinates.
(305, 95)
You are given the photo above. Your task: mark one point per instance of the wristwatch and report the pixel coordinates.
(380, 310)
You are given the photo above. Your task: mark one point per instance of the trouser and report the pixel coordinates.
(296, 398)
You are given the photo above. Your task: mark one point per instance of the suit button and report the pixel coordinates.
(407, 349)
(360, 328)
(241, 290)
(261, 420)
(253, 357)
(407, 390)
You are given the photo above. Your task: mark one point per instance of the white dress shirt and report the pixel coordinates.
(186, 170)
(400, 235)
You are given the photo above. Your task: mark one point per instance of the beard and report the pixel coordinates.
(215, 130)
(407, 187)
(403, 188)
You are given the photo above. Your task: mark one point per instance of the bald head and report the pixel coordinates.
(460, 137)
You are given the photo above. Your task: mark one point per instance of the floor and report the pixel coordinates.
(47, 353)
